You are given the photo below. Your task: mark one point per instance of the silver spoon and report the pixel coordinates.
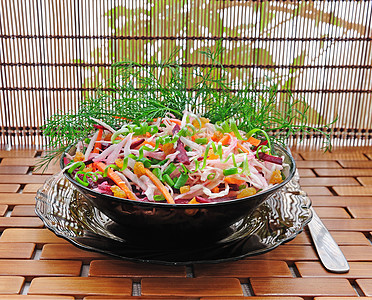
(329, 252)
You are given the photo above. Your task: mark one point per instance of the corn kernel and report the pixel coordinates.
(249, 191)
(88, 169)
(184, 189)
(217, 135)
(79, 156)
(139, 169)
(118, 192)
(193, 201)
(168, 148)
(211, 154)
(276, 177)
(119, 162)
(202, 120)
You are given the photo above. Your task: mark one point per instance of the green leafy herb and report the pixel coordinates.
(138, 93)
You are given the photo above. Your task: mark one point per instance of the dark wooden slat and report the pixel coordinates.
(135, 271)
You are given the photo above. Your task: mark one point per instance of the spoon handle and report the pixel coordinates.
(329, 252)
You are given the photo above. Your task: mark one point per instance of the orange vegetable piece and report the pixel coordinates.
(276, 177)
(116, 178)
(217, 135)
(243, 148)
(79, 156)
(203, 121)
(108, 137)
(118, 192)
(139, 169)
(184, 189)
(97, 146)
(215, 190)
(249, 191)
(193, 201)
(253, 141)
(211, 154)
(232, 180)
(225, 140)
(168, 148)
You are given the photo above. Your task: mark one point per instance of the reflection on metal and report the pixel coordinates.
(329, 253)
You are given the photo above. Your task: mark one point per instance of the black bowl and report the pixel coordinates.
(179, 221)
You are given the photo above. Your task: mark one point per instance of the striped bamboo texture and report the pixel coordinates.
(55, 52)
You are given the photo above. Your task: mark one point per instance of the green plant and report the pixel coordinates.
(138, 92)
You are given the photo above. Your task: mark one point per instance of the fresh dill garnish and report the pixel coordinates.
(138, 93)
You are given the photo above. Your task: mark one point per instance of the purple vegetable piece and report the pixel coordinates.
(270, 158)
(136, 143)
(104, 146)
(92, 184)
(202, 200)
(66, 161)
(262, 143)
(88, 162)
(97, 126)
(182, 156)
(105, 188)
(176, 129)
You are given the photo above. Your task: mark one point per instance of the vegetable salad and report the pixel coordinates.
(176, 161)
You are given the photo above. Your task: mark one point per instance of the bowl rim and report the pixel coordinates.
(186, 205)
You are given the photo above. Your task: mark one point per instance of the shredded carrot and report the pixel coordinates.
(217, 136)
(176, 121)
(116, 178)
(140, 170)
(225, 140)
(159, 185)
(253, 141)
(148, 134)
(97, 146)
(232, 180)
(151, 144)
(215, 190)
(242, 148)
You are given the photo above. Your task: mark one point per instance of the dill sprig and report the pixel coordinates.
(143, 92)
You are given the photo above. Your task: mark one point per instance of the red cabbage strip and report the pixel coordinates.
(270, 158)
(202, 200)
(180, 147)
(136, 143)
(182, 155)
(176, 129)
(263, 143)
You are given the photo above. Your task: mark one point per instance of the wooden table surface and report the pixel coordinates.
(35, 262)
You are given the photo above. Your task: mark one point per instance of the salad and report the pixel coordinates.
(170, 160)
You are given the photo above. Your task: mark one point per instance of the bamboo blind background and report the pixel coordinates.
(53, 52)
